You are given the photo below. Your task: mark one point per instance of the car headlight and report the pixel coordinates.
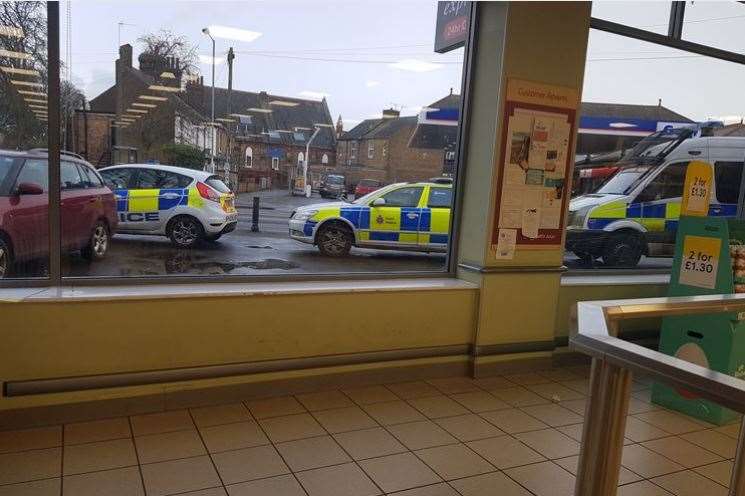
(305, 214)
(577, 217)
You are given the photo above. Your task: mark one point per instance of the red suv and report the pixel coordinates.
(88, 208)
(366, 186)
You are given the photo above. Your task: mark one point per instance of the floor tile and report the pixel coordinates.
(414, 389)
(437, 406)
(468, 427)
(220, 414)
(420, 435)
(215, 491)
(639, 406)
(544, 479)
(158, 423)
(118, 482)
(371, 394)
(179, 476)
(324, 400)
(574, 431)
(731, 430)
(169, 446)
(291, 427)
(625, 476)
(27, 439)
(555, 392)
(519, 396)
(339, 480)
(103, 455)
(283, 485)
(690, 483)
(369, 443)
(513, 421)
(553, 415)
(579, 385)
(642, 488)
(550, 443)
(399, 472)
(681, 451)
(720, 472)
(454, 385)
(46, 487)
(577, 406)
(489, 484)
(97, 430)
(491, 383)
(454, 461)
(249, 464)
(480, 401)
(713, 441)
(559, 374)
(344, 419)
(647, 463)
(526, 378)
(233, 436)
(440, 489)
(504, 452)
(640, 431)
(671, 422)
(315, 452)
(393, 412)
(30, 465)
(275, 407)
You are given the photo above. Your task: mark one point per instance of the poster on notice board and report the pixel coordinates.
(534, 164)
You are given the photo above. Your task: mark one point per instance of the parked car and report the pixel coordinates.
(87, 208)
(365, 186)
(186, 205)
(332, 186)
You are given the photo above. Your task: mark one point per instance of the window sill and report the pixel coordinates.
(614, 279)
(169, 291)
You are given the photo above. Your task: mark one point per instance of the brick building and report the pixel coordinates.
(259, 137)
(395, 148)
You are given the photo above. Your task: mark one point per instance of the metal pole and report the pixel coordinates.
(255, 215)
(307, 158)
(212, 161)
(53, 140)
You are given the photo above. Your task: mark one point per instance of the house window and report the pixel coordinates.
(370, 150)
(325, 159)
(353, 151)
(249, 157)
(385, 150)
(275, 163)
(450, 156)
(300, 158)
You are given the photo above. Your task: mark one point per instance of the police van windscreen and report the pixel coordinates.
(656, 145)
(215, 182)
(624, 181)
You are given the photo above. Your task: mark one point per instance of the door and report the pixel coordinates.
(396, 221)
(119, 180)
(659, 203)
(28, 215)
(434, 227)
(74, 207)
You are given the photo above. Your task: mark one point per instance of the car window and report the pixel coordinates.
(440, 198)
(403, 197)
(90, 178)
(216, 183)
(6, 164)
(70, 176)
(157, 179)
(117, 178)
(727, 177)
(36, 172)
(667, 184)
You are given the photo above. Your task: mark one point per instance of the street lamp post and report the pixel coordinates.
(212, 120)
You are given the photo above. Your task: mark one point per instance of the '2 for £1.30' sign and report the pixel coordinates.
(700, 261)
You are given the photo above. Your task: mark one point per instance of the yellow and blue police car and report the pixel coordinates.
(186, 205)
(402, 216)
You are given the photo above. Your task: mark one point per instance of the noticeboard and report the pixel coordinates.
(452, 25)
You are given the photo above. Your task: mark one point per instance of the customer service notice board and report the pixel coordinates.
(534, 164)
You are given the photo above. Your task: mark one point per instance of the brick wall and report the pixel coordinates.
(96, 147)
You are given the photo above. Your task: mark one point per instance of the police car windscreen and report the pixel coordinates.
(216, 183)
(623, 181)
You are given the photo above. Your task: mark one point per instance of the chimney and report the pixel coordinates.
(124, 60)
(391, 113)
(659, 102)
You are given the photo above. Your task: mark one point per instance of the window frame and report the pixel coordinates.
(55, 278)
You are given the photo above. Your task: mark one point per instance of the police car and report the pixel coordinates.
(186, 205)
(403, 216)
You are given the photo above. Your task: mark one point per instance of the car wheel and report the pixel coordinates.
(212, 238)
(585, 258)
(623, 249)
(185, 232)
(6, 261)
(98, 244)
(334, 240)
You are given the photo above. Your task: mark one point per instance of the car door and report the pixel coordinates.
(659, 203)
(119, 181)
(434, 227)
(28, 217)
(396, 221)
(74, 204)
(155, 193)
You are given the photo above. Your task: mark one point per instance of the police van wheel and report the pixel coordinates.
(185, 231)
(98, 244)
(334, 240)
(623, 249)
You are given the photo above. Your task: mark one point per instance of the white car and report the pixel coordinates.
(186, 205)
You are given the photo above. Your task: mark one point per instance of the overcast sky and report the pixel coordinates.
(363, 54)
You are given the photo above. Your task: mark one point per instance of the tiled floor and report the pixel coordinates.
(515, 435)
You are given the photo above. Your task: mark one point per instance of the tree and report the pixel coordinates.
(165, 44)
(184, 156)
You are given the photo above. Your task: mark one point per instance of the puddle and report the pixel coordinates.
(182, 265)
(257, 247)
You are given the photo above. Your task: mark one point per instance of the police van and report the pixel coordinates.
(636, 211)
(402, 216)
(186, 205)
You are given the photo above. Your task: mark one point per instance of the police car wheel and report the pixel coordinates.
(334, 240)
(623, 249)
(5, 259)
(98, 244)
(185, 232)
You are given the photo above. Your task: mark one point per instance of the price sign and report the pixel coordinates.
(697, 189)
(700, 261)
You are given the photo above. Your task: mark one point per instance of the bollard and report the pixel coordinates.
(255, 215)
